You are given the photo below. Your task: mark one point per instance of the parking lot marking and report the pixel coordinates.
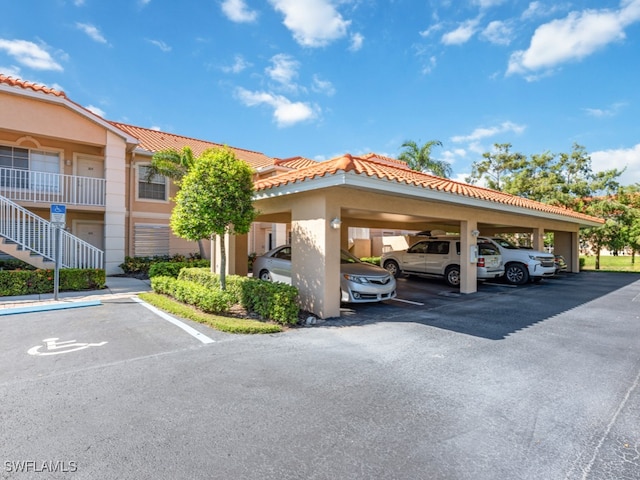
(55, 348)
(190, 330)
(407, 301)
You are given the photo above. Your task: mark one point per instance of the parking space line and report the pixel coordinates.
(406, 301)
(190, 330)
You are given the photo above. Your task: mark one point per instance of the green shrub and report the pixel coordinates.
(172, 269)
(582, 261)
(15, 264)
(27, 282)
(207, 300)
(373, 260)
(203, 276)
(273, 301)
(141, 265)
(222, 323)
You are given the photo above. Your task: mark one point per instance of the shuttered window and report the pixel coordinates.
(150, 240)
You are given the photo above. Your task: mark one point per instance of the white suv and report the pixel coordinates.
(523, 265)
(440, 256)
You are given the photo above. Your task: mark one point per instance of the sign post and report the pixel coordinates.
(58, 220)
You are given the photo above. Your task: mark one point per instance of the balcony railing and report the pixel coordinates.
(43, 187)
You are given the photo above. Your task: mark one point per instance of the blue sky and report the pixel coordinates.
(319, 78)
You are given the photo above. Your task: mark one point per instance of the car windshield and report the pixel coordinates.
(505, 244)
(346, 257)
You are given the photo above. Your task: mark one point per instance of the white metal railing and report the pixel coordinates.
(44, 187)
(35, 234)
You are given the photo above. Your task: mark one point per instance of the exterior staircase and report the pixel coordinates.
(30, 238)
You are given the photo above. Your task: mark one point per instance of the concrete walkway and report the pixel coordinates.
(117, 287)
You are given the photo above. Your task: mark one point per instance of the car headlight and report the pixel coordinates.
(355, 278)
(534, 258)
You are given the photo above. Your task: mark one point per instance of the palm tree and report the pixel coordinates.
(419, 158)
(171, 163)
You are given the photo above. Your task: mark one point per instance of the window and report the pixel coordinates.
(438, 247)
(154, 189)
(24, 168)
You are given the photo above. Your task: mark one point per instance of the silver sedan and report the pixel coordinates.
(359, 281)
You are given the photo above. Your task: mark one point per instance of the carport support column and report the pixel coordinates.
(315, 253)
(468, 270)
(538, 239)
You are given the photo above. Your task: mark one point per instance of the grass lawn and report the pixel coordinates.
(610, 263)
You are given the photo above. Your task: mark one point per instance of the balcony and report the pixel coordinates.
(43, 187)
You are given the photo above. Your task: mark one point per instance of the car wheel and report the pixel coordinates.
(452, 276)
(516, 274)
(265, 275)
(393, 268)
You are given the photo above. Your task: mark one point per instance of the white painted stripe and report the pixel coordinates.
(406, 301)
(190, 330)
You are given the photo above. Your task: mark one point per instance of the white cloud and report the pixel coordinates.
(285, 112)
(357, 39)
(485, 132)
(96, 110)
(284, 69)
(574, 37)
(314, 23)
(29, 54)
(498, 33)
(628, 158)
(161, 45)
(488, 3)
(237, 11)
(11, 71)
(462, 34)
(239, 64)
(92, 31)
(433, 28)
(323, 86)
(611, 111)
(429, 66)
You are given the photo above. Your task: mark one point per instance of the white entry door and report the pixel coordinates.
(88, 191)
(90, 232)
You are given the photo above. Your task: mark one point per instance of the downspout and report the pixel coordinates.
(130, 203)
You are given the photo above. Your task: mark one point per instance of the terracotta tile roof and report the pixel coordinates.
(370, 167)
(19, 83)
(154, 140)
(295, 162)
(388, 160)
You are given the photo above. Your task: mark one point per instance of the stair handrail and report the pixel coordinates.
(37, 235)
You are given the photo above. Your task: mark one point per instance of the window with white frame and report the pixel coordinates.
(154, 188)
(24, 168)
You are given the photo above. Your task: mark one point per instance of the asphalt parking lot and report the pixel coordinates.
(533, 382)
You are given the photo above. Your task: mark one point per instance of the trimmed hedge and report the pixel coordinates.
(27, 282)
(272, 301)
(206, 299)
(275, 301)
(172, 269)
(141, 265)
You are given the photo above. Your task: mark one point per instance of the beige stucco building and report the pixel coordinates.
(53, 151)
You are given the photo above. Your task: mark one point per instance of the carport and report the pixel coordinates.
(321, 201)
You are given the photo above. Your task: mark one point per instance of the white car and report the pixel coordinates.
(440, 256)
(523, 265)
(359, 281)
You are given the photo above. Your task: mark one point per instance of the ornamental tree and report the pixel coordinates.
(215, 199)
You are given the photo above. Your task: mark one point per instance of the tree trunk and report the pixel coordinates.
(633, 257)
(223, 263)
(201, 251)
(212, 262)
(598, 258)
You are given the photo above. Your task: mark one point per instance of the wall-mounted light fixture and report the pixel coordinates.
(335, 223)
(475, 233)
